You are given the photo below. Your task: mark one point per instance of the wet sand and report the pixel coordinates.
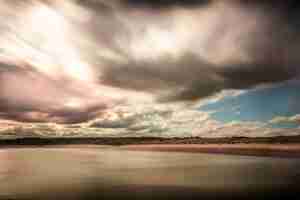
(112, 172)
(273, 150)
(149, 168)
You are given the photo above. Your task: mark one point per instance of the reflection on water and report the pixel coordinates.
(81, 173)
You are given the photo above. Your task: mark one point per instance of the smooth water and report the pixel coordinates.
(87, 173)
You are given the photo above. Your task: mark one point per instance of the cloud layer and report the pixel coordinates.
(89, 54)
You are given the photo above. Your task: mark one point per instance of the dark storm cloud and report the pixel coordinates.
(165, 4)
(262, 35)
(196, 78)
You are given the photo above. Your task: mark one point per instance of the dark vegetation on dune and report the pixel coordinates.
(147, 140)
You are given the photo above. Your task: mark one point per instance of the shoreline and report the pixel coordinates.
(257, 150)
(283, 147)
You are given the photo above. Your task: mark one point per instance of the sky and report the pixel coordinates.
(166, 68)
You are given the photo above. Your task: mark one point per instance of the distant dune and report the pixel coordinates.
(147, 140)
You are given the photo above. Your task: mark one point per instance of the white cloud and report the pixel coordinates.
(283, 119)
(150, 120)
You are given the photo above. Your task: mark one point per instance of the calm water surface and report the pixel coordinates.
(94, 173)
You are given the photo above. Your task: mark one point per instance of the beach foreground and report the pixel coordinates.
(140, 172)
(149, 168)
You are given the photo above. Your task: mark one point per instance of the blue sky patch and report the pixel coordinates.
(259, 105)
